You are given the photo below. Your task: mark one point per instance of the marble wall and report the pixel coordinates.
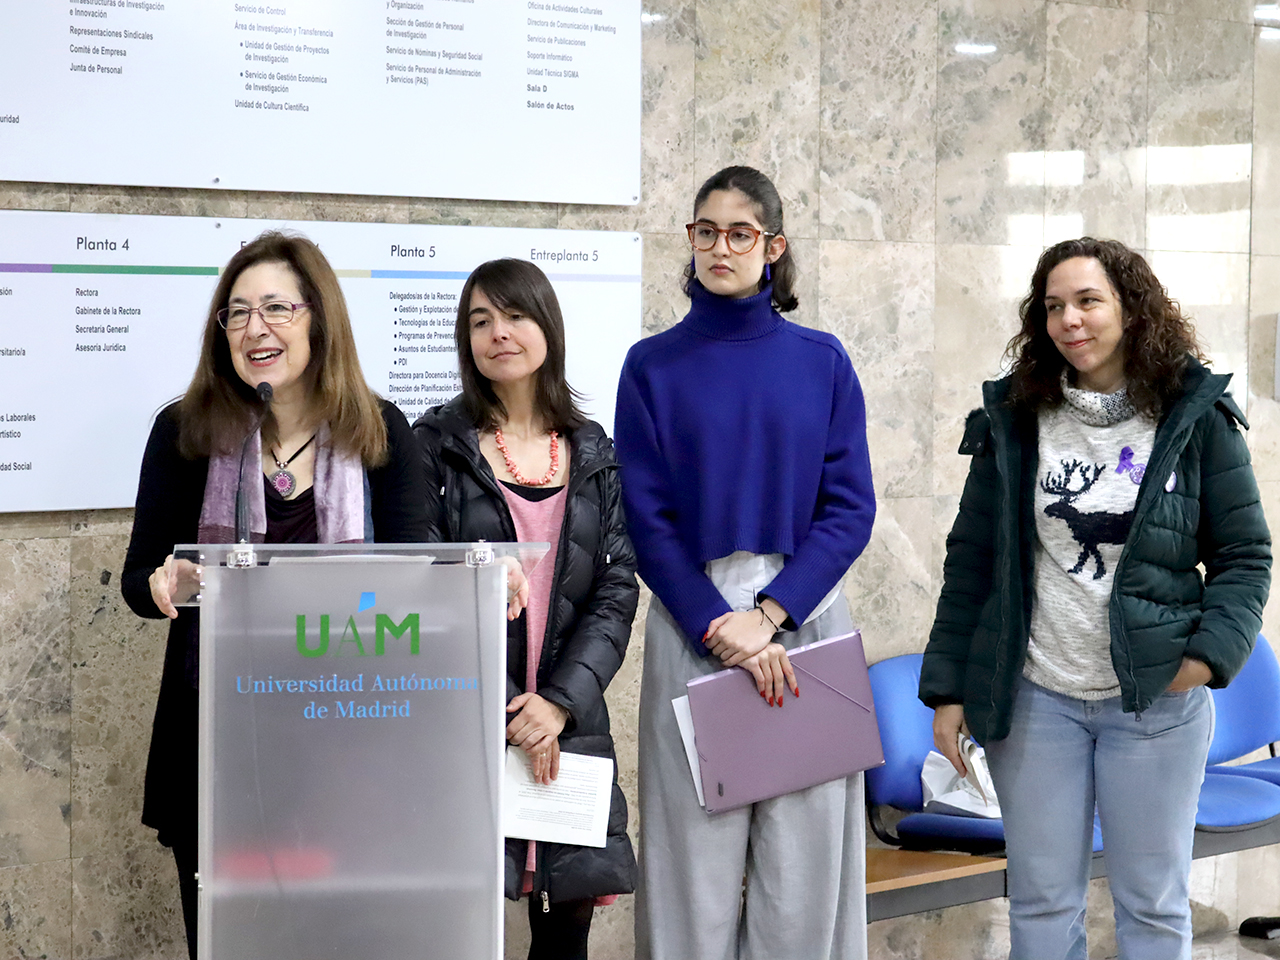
(926, 151)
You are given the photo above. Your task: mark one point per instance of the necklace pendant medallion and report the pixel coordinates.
(283, 482)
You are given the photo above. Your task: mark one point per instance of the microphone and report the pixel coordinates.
(263, 390)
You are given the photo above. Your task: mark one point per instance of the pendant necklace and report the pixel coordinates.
(282, 480)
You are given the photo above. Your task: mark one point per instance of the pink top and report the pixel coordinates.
(536, 521)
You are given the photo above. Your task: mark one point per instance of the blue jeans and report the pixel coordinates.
(1144, 773)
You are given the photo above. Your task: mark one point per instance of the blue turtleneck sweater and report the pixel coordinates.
(738, 430)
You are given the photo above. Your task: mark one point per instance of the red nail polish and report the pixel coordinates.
(796, 691)
(779, 699)
(771, 701)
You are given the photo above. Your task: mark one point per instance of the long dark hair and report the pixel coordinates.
(218, 407)
(759, 189)
(517, 285)
(1156, 343)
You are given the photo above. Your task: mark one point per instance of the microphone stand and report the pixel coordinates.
(242, 556)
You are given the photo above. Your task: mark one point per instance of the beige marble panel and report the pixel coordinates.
(74, 523)
(1240, 11)
(100, 523)
(92, 198)
(990, 117)
(1095, 93)
(945, 509)
(667, 174)
(35, 702)
(978, 289)
(878, 299)
(20, 195)
(664, 303)
(354, 209)
(33, 526)
(1266, 142)
(807, 252)
(879, 69)
(975, 931)
(36, 920)
(124, 903)
(116, 659)
(1264, 399)
(1213, 289)
(890, 587)
(757, 82)
(1199, 129)
(1134, 5)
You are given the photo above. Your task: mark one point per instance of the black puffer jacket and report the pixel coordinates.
(593, 602)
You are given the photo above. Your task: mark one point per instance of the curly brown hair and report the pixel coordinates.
(1157, 340)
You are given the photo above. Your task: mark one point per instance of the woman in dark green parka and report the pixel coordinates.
(1075, 633)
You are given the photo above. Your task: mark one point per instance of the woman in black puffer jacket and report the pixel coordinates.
(510, 420)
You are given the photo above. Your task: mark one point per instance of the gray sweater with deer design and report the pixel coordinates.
(1191, 580)
(1093, 452)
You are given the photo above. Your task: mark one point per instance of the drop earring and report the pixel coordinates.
(768, 274)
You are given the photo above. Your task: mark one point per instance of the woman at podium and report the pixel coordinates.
(748, 491)
(278, 409)
(512, 458)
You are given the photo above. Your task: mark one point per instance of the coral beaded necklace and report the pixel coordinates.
(515, 471)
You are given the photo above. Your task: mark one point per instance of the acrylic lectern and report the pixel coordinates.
(351, 741)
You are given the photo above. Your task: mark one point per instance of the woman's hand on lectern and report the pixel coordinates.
(517, 587)
(535, 729)
(176, 576)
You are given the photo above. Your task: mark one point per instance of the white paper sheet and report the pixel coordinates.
(684, 719)
(573, 808)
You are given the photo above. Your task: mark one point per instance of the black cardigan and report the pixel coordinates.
(167, 511)
(593, 601)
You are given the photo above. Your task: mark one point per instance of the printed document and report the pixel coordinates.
(684, 720)
(573, 808)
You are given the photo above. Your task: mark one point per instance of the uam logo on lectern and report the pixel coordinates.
(351, 643)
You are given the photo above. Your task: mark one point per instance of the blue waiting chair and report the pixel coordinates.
(906, 733)
(1247, 718)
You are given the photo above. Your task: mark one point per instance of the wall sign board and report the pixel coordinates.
(101, 317)
(533, 100)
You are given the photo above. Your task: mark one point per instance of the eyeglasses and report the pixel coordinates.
(274, 312)
(741, 239)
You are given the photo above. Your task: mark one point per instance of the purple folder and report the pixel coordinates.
(750, 751)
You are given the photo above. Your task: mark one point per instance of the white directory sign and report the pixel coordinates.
(101, 318)
(491, 99)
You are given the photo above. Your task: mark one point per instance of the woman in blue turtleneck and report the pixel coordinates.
(747, 486)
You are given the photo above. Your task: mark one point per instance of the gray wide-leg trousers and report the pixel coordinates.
(802, 855)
